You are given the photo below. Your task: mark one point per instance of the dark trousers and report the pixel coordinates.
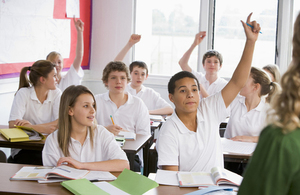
(32, 157)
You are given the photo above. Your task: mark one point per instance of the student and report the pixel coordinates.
(249, 110)
(75, 73)
(274, 166)
(139, 73)
(79, 142)
(273, 71)
(118, 110)
(212, 61)
(189, 139)
(35, 105)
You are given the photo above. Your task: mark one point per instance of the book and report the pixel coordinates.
(120, 141)
(218, 176)
(21, 133)
(126, 135)
(82, 187)
(56, 174)
(156, 118)
(237, 147)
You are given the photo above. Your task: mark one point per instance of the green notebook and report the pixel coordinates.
(82, 187)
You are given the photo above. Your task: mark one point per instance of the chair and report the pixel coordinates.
(3, 157)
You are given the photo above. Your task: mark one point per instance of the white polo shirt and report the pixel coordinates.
(72, 77)
(213, 88)
(104, 148)
(150, 97)
(27, 106)
(242, 122)
(194, 151)
(132, 116)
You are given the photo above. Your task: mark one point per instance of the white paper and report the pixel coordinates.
(238, 147)
(166, 177)
(107, 187)
(73, 8)
(100, 175)
(127, 135)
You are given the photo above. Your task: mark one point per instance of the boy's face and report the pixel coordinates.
(186, 95)
(212, 65)
(138, 76)
(116, 82)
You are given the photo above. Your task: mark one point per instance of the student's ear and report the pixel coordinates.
(71, 112)
(42, 79)
(146, 77)
(171, 96)
(220, 66)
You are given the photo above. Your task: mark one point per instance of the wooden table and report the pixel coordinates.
(33, 187)
(131, 147)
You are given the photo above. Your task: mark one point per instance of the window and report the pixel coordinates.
(229, 37)
(168, 28)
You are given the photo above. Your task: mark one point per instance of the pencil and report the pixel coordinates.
(252, 27)
(112, 120)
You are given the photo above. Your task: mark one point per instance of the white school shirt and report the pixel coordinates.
(72, 77)
(150, 97)
(104, 148)
(213, 88)
(27, 106)
(132, 116)
(194, 151)
(242, 122)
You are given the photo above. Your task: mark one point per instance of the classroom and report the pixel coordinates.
(167, 30)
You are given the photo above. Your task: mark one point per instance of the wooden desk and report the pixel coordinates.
(33, 187)
(131, 147)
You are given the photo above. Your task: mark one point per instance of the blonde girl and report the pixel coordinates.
(79, 142)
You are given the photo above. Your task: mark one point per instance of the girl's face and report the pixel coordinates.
(138, 76)
(83, 112)
(51, 80)
(58, 61)
(116, 82)
(249, 88)
(186, 95)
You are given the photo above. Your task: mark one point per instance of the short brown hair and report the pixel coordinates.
(139, 64)
(211, 53)
(115, 66)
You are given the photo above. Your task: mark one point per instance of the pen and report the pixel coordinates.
(252, 27)
(112, 120)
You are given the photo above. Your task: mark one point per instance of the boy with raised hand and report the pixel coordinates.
(189, 140)
(139, 73)
(210, 83)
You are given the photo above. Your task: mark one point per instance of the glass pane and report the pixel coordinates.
(296, 9)
(229, 37)
(168, 28)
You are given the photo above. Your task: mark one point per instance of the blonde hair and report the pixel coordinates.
(114, 66)
(287, 105)
(274, 70)
(40, 68)
(52, 55)
(67, 100)
(267, 86)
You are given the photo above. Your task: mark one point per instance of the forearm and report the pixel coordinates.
(45, 128)
(123, 52)
(183, 62)
(110, 165)
(170, 167)
(79, 51)
(162, 111)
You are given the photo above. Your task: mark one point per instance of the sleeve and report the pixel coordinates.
(112, 149)
(19, 105)
(198, 75)
(167, 147)
(50, 152)
(55, 110)
(158, 101)
(73, 76)
(142, 120)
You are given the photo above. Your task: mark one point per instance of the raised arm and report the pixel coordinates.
(134, 38)
(183, 62)
(79, 48)
(242, 71)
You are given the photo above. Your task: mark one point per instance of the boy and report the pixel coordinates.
(189, 139)
(210, 83)
(139, 73)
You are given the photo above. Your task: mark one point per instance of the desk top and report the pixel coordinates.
(33, 187)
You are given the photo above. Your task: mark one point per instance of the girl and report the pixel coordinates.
(189, 139)
(79, 142)
(75, 73)
(249, 111)
(35, 105)
(273, 71)
(120, 111)
(274, 166)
